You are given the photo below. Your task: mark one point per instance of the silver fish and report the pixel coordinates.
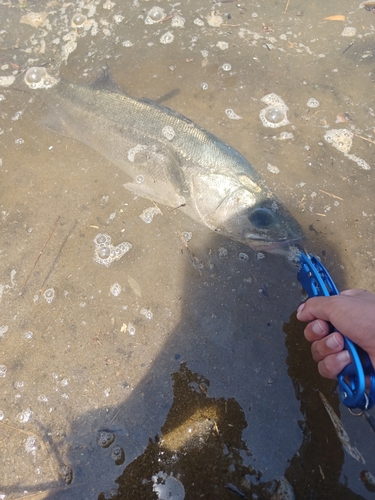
(173, 161)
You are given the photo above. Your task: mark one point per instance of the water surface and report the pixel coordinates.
(198, 366)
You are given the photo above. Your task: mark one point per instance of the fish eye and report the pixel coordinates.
(262, 218)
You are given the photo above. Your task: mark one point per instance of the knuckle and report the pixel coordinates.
(326, 368)
(317, 350)
(321, 369)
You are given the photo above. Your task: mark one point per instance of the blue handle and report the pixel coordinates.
(316, 281)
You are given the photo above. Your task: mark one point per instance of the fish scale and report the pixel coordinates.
(146, 118)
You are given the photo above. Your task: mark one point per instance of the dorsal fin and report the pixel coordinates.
(106, 82)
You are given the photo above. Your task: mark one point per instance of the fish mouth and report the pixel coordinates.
(264, 238)
(273, 244)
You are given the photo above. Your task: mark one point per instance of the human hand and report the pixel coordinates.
(353, 314)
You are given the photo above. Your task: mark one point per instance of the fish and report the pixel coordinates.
(172, 161)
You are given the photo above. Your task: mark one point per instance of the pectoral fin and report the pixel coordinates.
(163, 194)
(158, 175)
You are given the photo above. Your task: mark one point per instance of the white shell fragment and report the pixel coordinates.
(214, 20)
(34, 19)
(105, 252)
(7, 81)
(31, 445)
(275, 114)
(349, 31)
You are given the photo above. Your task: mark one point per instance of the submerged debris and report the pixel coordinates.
(6, 81)
(214, 20)
(367, 477)
(34, 19)
(370, 6)
(349, 31)
(341, 432)
(66, 473)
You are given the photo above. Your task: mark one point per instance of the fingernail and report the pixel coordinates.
(333, 342)
(343, 356)
(300, 308)
(318, 329)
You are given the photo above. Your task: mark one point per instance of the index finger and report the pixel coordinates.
(316, 307)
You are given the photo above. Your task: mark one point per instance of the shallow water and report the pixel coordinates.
(198, 366)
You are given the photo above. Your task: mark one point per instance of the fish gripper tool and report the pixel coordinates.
(316, 281)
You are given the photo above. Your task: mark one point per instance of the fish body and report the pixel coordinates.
(172, 161)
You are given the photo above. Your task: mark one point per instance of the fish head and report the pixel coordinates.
(264, 226)
(247, 212)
